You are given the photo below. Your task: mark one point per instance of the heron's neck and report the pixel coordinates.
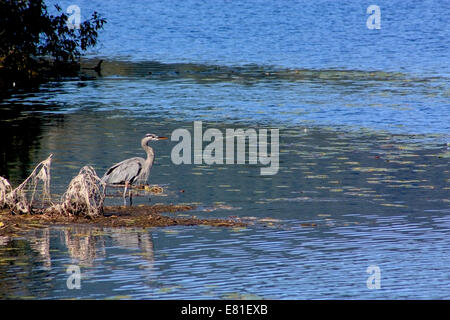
(150, 154)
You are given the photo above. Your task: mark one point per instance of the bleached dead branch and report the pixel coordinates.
(85, 194)
(34, 192)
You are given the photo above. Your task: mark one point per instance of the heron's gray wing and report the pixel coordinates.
(124, 171)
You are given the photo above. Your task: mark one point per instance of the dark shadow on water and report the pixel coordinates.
(20, 139)
(250, 73)
(20, 132)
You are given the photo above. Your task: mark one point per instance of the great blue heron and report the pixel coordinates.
(133, 169)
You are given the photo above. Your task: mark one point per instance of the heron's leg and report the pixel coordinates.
(125, 194)
(131, 197)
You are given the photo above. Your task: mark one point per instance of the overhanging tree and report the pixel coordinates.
(34, 42)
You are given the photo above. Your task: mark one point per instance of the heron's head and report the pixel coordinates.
(153, 137)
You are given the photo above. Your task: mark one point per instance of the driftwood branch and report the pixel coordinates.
(84, 196)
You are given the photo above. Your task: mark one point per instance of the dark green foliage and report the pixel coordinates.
(33, 42)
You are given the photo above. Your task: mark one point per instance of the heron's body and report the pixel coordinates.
(134, 169)
(129, 170)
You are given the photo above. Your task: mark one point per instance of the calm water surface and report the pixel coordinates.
(364, 152)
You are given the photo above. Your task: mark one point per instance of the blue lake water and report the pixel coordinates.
(363, 117)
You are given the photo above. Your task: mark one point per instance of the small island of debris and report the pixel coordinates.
(30, 206)
(142, 216)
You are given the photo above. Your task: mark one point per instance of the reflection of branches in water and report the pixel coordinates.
(4, 241)
(40, 242)
(82, 241)
(84, 244)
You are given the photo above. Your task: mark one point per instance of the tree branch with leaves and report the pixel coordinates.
(29, 35)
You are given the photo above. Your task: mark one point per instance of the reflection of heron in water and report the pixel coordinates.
(134, 240)
(133, 169)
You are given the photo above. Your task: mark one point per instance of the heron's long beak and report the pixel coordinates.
(162, 138)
